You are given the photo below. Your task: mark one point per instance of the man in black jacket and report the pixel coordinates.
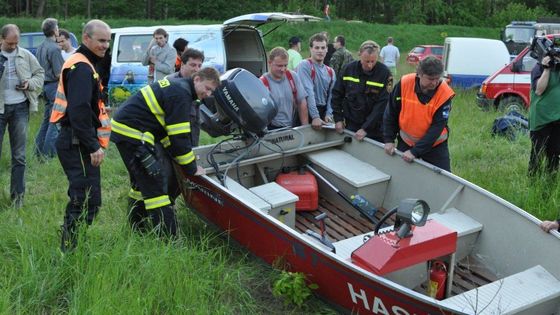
(360, 98)
(85, 129)
(160, 112)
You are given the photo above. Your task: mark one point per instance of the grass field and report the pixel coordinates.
(116, 271)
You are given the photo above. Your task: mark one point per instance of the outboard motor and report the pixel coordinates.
(241, 101)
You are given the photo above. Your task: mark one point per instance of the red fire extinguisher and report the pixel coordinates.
(438, 276)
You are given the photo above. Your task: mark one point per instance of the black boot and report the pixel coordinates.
(137, 215)
(164, 221)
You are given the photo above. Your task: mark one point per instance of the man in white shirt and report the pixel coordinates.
(65, 44)
(390, 56)
(160, 56)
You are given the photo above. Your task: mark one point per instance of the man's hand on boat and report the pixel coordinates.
(549, 225)
(339, 127)
(317, 123)
(390, 148)
(360, 134)
(408, 156)
(199, 171)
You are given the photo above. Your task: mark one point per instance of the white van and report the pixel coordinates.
(468, 61)
(235, 44)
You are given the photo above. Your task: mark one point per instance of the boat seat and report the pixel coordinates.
(350, 175)
(282, 202)
(466, 227)
(245, 194)
(533, 291)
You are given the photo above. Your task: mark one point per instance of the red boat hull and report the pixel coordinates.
(349, 289)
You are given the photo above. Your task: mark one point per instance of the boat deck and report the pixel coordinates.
(470, 273)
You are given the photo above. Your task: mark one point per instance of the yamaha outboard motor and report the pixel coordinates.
(241, 101)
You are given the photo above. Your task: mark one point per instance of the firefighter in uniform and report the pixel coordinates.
(360, 98)
(417, 113)
(85, 129)
(159, 112)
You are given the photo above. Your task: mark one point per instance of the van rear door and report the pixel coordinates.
(258, 19)
(244, 44)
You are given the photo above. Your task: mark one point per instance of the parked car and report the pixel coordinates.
(510, 86)
(31, 41)
(421, 51)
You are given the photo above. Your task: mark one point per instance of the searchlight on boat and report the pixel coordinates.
(411, 212)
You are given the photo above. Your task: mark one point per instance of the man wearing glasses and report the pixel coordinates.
(417, 115)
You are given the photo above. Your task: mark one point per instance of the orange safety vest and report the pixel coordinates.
(60, 102)
(177, 63)
(416, 118)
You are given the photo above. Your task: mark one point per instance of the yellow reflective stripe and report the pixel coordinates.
(153, 104)
(185, 158)
(176, 129)
(157, 202)
(375, 84)
(357, 80)
(135, 194)
(165, 142)
(131, 132)
(398, 98)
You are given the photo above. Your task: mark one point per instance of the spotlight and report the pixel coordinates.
(409, 213)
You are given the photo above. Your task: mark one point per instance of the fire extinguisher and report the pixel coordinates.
(438, 277)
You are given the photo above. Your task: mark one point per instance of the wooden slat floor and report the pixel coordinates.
(340, 224)
(469, 274)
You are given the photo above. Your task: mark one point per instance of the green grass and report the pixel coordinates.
(115, 271)
(495, 163)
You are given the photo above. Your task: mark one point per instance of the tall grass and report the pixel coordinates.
(115, 271)
(495, 163)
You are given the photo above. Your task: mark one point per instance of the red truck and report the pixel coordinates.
(509, 87)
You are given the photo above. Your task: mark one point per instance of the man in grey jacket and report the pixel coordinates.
(21, 79)
(50, 58)
(318, 81)
(160, 56)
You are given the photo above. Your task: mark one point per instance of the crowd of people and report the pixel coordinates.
(160, 123)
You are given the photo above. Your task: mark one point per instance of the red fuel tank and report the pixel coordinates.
(304, 185)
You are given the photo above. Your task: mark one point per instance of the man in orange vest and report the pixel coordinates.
(417, 115)
(180, 45)
(85, 129)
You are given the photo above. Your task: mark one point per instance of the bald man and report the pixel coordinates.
(85, 129)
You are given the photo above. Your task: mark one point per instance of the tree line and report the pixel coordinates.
(490, 13)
